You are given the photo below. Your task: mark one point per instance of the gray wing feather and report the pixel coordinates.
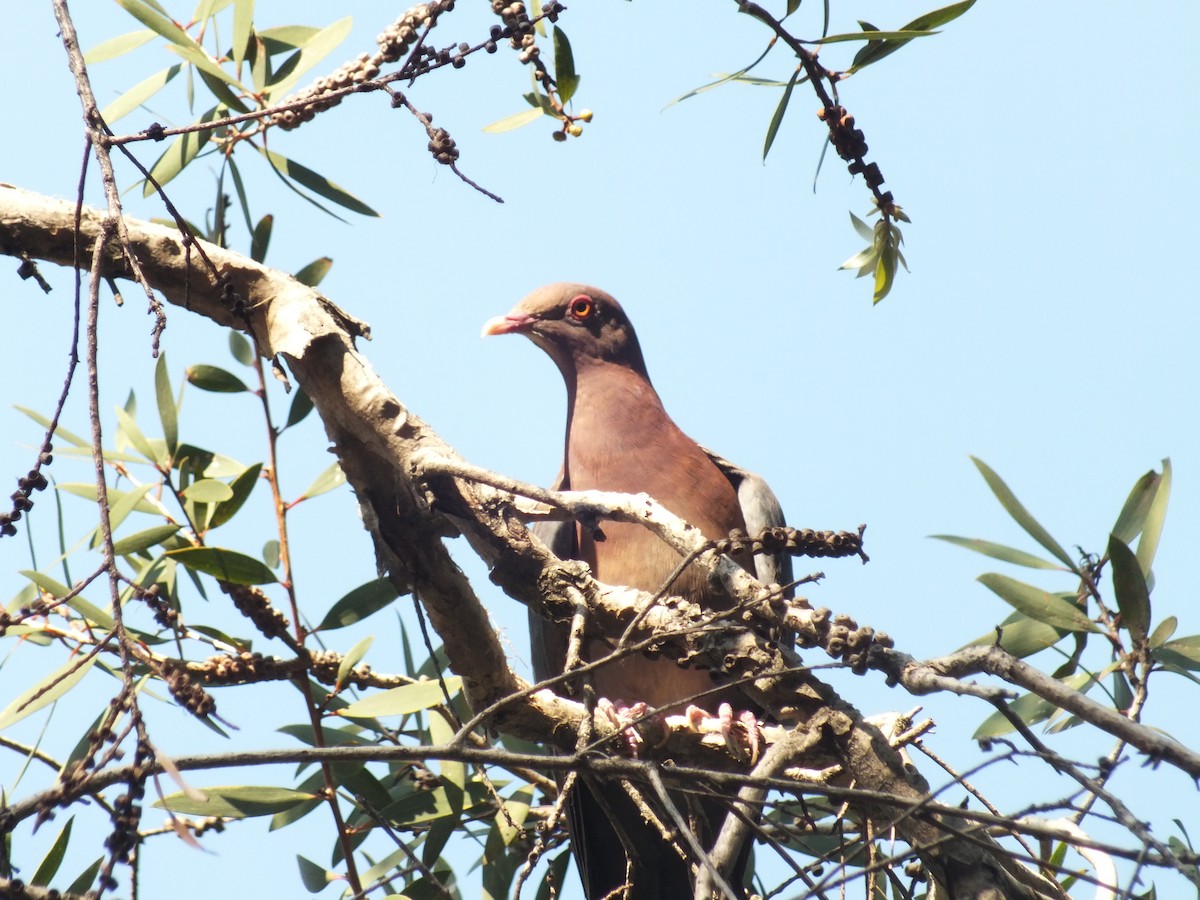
(760, 509)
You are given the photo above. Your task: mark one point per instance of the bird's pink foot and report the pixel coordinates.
(741, 730)
(623, 718)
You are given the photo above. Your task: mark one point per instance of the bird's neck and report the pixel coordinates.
(608, 401)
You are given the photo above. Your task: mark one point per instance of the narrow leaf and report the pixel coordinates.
(352, 658)
(260, 240)
(331, 478)
(243, 24)
(60, 433)
(181, 151)
(1137, 506)
(167, 411)
(359, 603)
(1021, 515)
(50, 864)
(83, 882)
(1129, 584)
(1038, 604)
(1152, 529)
(314, 273)
(227, 565)
(780, 110)
(516, 120)
(401, 701)
(314, 46)
(301, 406)
(316, 182)
(1021, 636)
(236, 802)
(215, 379)
(1163, 631)
(143, 540)
(45, 691)
(130, 429)
(999, 551)
(564, 66)
(118, 46)
(139, 94)
(240, 491)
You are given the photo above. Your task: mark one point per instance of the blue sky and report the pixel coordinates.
(1044, 152)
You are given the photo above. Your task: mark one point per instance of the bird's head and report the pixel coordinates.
(576, 325)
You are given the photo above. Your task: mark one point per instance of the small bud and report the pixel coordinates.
(574, 130)
(586, 115)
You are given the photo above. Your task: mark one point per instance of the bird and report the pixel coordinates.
(619, 437)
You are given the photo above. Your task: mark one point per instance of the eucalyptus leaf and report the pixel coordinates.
(215, 379)
(236, 802)
(403, 700)
(999, 551)
(45, 691)
(331, 478)
(1129, 584)
(359, 603)
(516, 120)
(1021, 515)
(1038, 604)
(227, 565)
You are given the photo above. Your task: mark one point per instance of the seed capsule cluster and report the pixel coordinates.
(32, 481)
(394, 43)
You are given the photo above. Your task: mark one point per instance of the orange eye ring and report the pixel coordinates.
(581, 308)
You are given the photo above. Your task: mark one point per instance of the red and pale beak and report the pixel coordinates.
(513, 322)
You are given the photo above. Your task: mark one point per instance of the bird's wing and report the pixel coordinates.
(760, 509)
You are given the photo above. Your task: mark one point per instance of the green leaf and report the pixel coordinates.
(115, 497)
(1030, 709)
(316, 182)
(167, 411)
(331, 478)
(259, 241)
(143, 540)
(227, 565)
(401, 701)
(723, 79)
(314, 273)
(236, 802)
(359, 603)
(564, 66)
(240, 488)
(243, 26)
(419, 808)
(939, 17)
(352, 658)
(241, 348)
(902, 35)
(1152, 529)
(181, 151)
(513, 122)
(1137, 505)
(780, 110)
(215, 379)
(53, 860)
(1163, 631)
(1038, 604)
(1021, 636)
(139, 93)
(315, 878)
(1129, 584)
(1021, 515)
(83, 882)
(46, 691)
(270, 553)
(314, 46)
(999, 551)
(117, 46)
(1188, 648)
(208, 490)
(301, 406)
(60, 433)
(129, 427)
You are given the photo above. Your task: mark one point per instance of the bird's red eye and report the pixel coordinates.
(581, 308)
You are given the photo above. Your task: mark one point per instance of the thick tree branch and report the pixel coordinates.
(386, 453)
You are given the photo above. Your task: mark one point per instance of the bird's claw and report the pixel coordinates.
(741, 730)
(623, 718)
